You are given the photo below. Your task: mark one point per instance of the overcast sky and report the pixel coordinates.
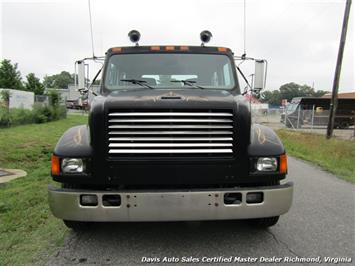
(298, 38)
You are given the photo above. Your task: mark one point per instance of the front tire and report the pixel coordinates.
(267, 221)
(76, 225)
(264, 222)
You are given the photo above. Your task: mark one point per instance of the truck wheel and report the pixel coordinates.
(76, 225)
(264, 222)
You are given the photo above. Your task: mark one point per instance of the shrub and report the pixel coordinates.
(4, 117)
(54, 98)
(21, 116)
(59, 112)
(39, 114)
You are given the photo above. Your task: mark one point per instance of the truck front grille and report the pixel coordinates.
(170, 133)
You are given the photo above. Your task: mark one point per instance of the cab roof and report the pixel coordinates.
(170, 49)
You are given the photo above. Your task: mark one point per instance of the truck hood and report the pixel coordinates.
(164, 98)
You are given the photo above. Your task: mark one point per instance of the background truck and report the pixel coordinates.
(169, 138)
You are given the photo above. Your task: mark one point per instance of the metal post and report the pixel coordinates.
(251, 95)
(75, 74)
(334, 100)
(298, 116)
(312, 116)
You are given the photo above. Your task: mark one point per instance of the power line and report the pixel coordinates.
(245, 26)
(92, 35)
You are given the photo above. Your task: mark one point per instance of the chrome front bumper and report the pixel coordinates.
(182, 205)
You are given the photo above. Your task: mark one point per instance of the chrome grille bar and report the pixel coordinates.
(169, 126)
(169, 139)
(155, 151)
(169, 114)
(141, 145)
(170, 133)
(170, 120)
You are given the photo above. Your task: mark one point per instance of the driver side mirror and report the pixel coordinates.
(83, 91)
(260, 75)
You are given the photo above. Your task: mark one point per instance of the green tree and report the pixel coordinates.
(292, 90)
(289, 91)
(271, 97)
(59, 81)
(10, 77)
(34, 84)
(319, 93)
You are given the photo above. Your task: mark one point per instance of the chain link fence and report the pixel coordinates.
(41, 99)
(310, 120)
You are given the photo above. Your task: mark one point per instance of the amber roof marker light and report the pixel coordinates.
(116, 49)
(222, 49)
(169, 48)
(134, 36)
(205, 37)
(155, 48)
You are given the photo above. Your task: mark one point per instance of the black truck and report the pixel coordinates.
(169, 138)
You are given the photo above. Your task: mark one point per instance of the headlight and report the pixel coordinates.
(72, 166)
(266, 164)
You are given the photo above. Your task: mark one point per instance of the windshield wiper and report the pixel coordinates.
(139, 82)
(190, 83)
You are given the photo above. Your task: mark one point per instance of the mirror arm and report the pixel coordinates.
(245, 79)
(97, 74)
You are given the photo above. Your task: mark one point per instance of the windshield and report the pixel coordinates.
(167, 71)
(291, 107)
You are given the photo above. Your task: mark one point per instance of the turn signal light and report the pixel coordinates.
(55, 168)
(283, 164)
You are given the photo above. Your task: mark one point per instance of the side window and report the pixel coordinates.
(112, 75)
(227, 75)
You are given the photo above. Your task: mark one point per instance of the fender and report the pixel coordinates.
(264, 142)
(75, 142)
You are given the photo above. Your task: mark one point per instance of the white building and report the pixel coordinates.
(21, 99)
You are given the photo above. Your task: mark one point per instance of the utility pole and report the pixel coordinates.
(334, 100)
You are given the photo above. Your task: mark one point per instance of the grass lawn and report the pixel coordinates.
(27, 228)
(334, 155)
